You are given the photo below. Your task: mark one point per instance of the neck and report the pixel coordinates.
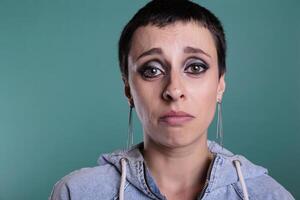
(179, 170)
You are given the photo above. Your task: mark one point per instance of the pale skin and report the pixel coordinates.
(175, 68)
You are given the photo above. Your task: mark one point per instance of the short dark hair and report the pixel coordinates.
(161, 13)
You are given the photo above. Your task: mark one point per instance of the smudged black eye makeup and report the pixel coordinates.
(195, 66)
(154, 69)
(151, 70)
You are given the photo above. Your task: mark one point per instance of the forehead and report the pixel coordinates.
(172, 38)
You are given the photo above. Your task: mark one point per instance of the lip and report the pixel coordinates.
(174, 118)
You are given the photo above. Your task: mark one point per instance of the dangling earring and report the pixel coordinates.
(220, 124)
(130, 130)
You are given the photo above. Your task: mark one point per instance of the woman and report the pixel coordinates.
(172, 59)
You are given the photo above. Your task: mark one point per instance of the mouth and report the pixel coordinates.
(176, 118)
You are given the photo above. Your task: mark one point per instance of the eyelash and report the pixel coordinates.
(200, 65)
(147, 67)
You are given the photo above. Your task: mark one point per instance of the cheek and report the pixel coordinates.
(204, 99)
(145, 96)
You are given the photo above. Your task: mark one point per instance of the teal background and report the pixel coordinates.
(62, 102)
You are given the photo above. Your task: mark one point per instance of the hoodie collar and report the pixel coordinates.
(135, 166)
(222, 173)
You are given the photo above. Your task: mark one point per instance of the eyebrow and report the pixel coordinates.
(195, 50)
(150, 52)
(159, 51)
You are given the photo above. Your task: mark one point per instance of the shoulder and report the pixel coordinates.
(264, 187)
(87, 183)
(260, 185)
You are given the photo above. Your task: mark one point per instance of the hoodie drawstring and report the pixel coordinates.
(123, 179)
(237, 164)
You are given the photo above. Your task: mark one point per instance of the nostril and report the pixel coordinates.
(173, 95)
(167, 96)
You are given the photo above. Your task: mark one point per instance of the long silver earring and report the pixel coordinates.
(220, 124)
(130, 129)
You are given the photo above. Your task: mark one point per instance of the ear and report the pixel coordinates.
(221, 88)
(127, 92)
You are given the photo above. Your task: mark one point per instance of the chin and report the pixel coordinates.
(174, 136)
(175, 141)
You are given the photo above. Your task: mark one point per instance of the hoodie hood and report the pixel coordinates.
(223, 171)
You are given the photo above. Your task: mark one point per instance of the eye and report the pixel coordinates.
(196, 68)
(151, 70)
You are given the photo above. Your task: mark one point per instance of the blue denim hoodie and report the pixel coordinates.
(123, 175)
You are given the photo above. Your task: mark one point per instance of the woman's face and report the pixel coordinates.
(173, 82)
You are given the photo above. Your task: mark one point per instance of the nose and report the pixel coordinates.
(173, 90)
